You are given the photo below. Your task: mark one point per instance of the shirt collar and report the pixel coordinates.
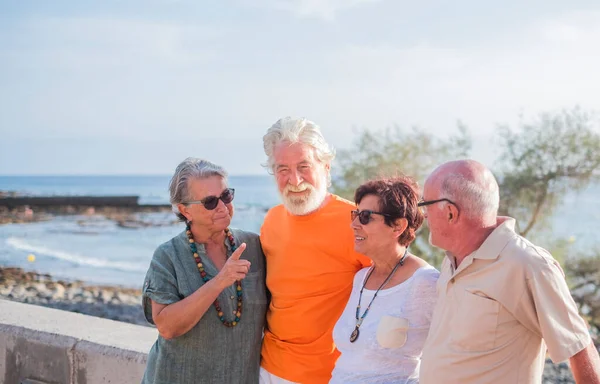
(494, 243)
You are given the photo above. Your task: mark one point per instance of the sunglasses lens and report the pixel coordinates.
(227, 196)
(353, 215)
(211, 202)
(364, 217)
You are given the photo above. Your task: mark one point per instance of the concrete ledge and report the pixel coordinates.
(43, 345)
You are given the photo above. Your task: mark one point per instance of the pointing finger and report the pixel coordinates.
(238, 252)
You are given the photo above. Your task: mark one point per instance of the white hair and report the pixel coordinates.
(296, 130)
(475, 199)
(190, 169)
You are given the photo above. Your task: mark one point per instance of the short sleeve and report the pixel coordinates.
(550, 311)
(160, 284)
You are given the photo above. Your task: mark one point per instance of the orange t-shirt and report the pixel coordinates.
(311, 264)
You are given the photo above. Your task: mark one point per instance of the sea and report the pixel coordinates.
(97, 251)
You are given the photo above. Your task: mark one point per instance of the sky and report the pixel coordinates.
(134, 87)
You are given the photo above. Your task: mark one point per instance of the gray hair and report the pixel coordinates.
(190, 169)
(296, 130)
(475, 199)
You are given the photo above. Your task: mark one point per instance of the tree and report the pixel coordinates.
(396, 151)
(544, 160)
(392, 151)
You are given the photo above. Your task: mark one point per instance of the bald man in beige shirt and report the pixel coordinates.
(502, 301)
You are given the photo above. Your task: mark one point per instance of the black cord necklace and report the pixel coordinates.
(355, 333)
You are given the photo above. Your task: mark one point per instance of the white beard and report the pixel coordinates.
(303, 205)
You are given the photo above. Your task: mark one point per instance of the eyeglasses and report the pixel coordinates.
(365, 216)
(211, 202)
(423, 203)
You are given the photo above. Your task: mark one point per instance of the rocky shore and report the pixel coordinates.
(115, 303)
(124, 304)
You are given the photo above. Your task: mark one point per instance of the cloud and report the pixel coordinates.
(320, 9)
(579, 28)
(546, 65)
(75, 43)
(93, 76)
(115, 78)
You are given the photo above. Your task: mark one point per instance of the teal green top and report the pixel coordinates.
(209, 352)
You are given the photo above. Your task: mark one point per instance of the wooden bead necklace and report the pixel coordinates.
(205, 278)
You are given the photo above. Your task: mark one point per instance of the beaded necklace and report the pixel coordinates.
(359, 320)
(205, 278)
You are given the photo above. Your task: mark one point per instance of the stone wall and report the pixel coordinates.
(43, 345)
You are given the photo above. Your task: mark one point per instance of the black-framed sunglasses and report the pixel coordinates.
(424, 203)
(211, 202)
(364, 217)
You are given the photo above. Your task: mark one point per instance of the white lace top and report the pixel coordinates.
(392, 334)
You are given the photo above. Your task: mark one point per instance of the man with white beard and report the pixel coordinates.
(311, 262)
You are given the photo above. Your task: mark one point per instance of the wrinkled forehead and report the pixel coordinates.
(290, 154)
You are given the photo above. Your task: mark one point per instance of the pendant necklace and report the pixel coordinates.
(355, 333)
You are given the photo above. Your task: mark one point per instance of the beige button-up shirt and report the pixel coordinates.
(498, 312)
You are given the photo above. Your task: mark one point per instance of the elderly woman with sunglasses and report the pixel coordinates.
(383, 328)
(205, 288)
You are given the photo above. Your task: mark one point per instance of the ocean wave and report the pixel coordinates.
(20, 244)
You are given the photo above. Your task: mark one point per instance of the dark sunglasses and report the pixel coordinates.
(211, 202)
(364, 217)
(424, 203)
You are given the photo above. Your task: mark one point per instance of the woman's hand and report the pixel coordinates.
(176, 319)
(234, 269)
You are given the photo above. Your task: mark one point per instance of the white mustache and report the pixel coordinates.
(300, 188)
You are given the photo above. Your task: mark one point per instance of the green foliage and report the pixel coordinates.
(544, 160)
(396, 151)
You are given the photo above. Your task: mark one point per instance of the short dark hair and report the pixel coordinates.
(398, 198)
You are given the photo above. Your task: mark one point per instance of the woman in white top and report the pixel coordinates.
(383, 328)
